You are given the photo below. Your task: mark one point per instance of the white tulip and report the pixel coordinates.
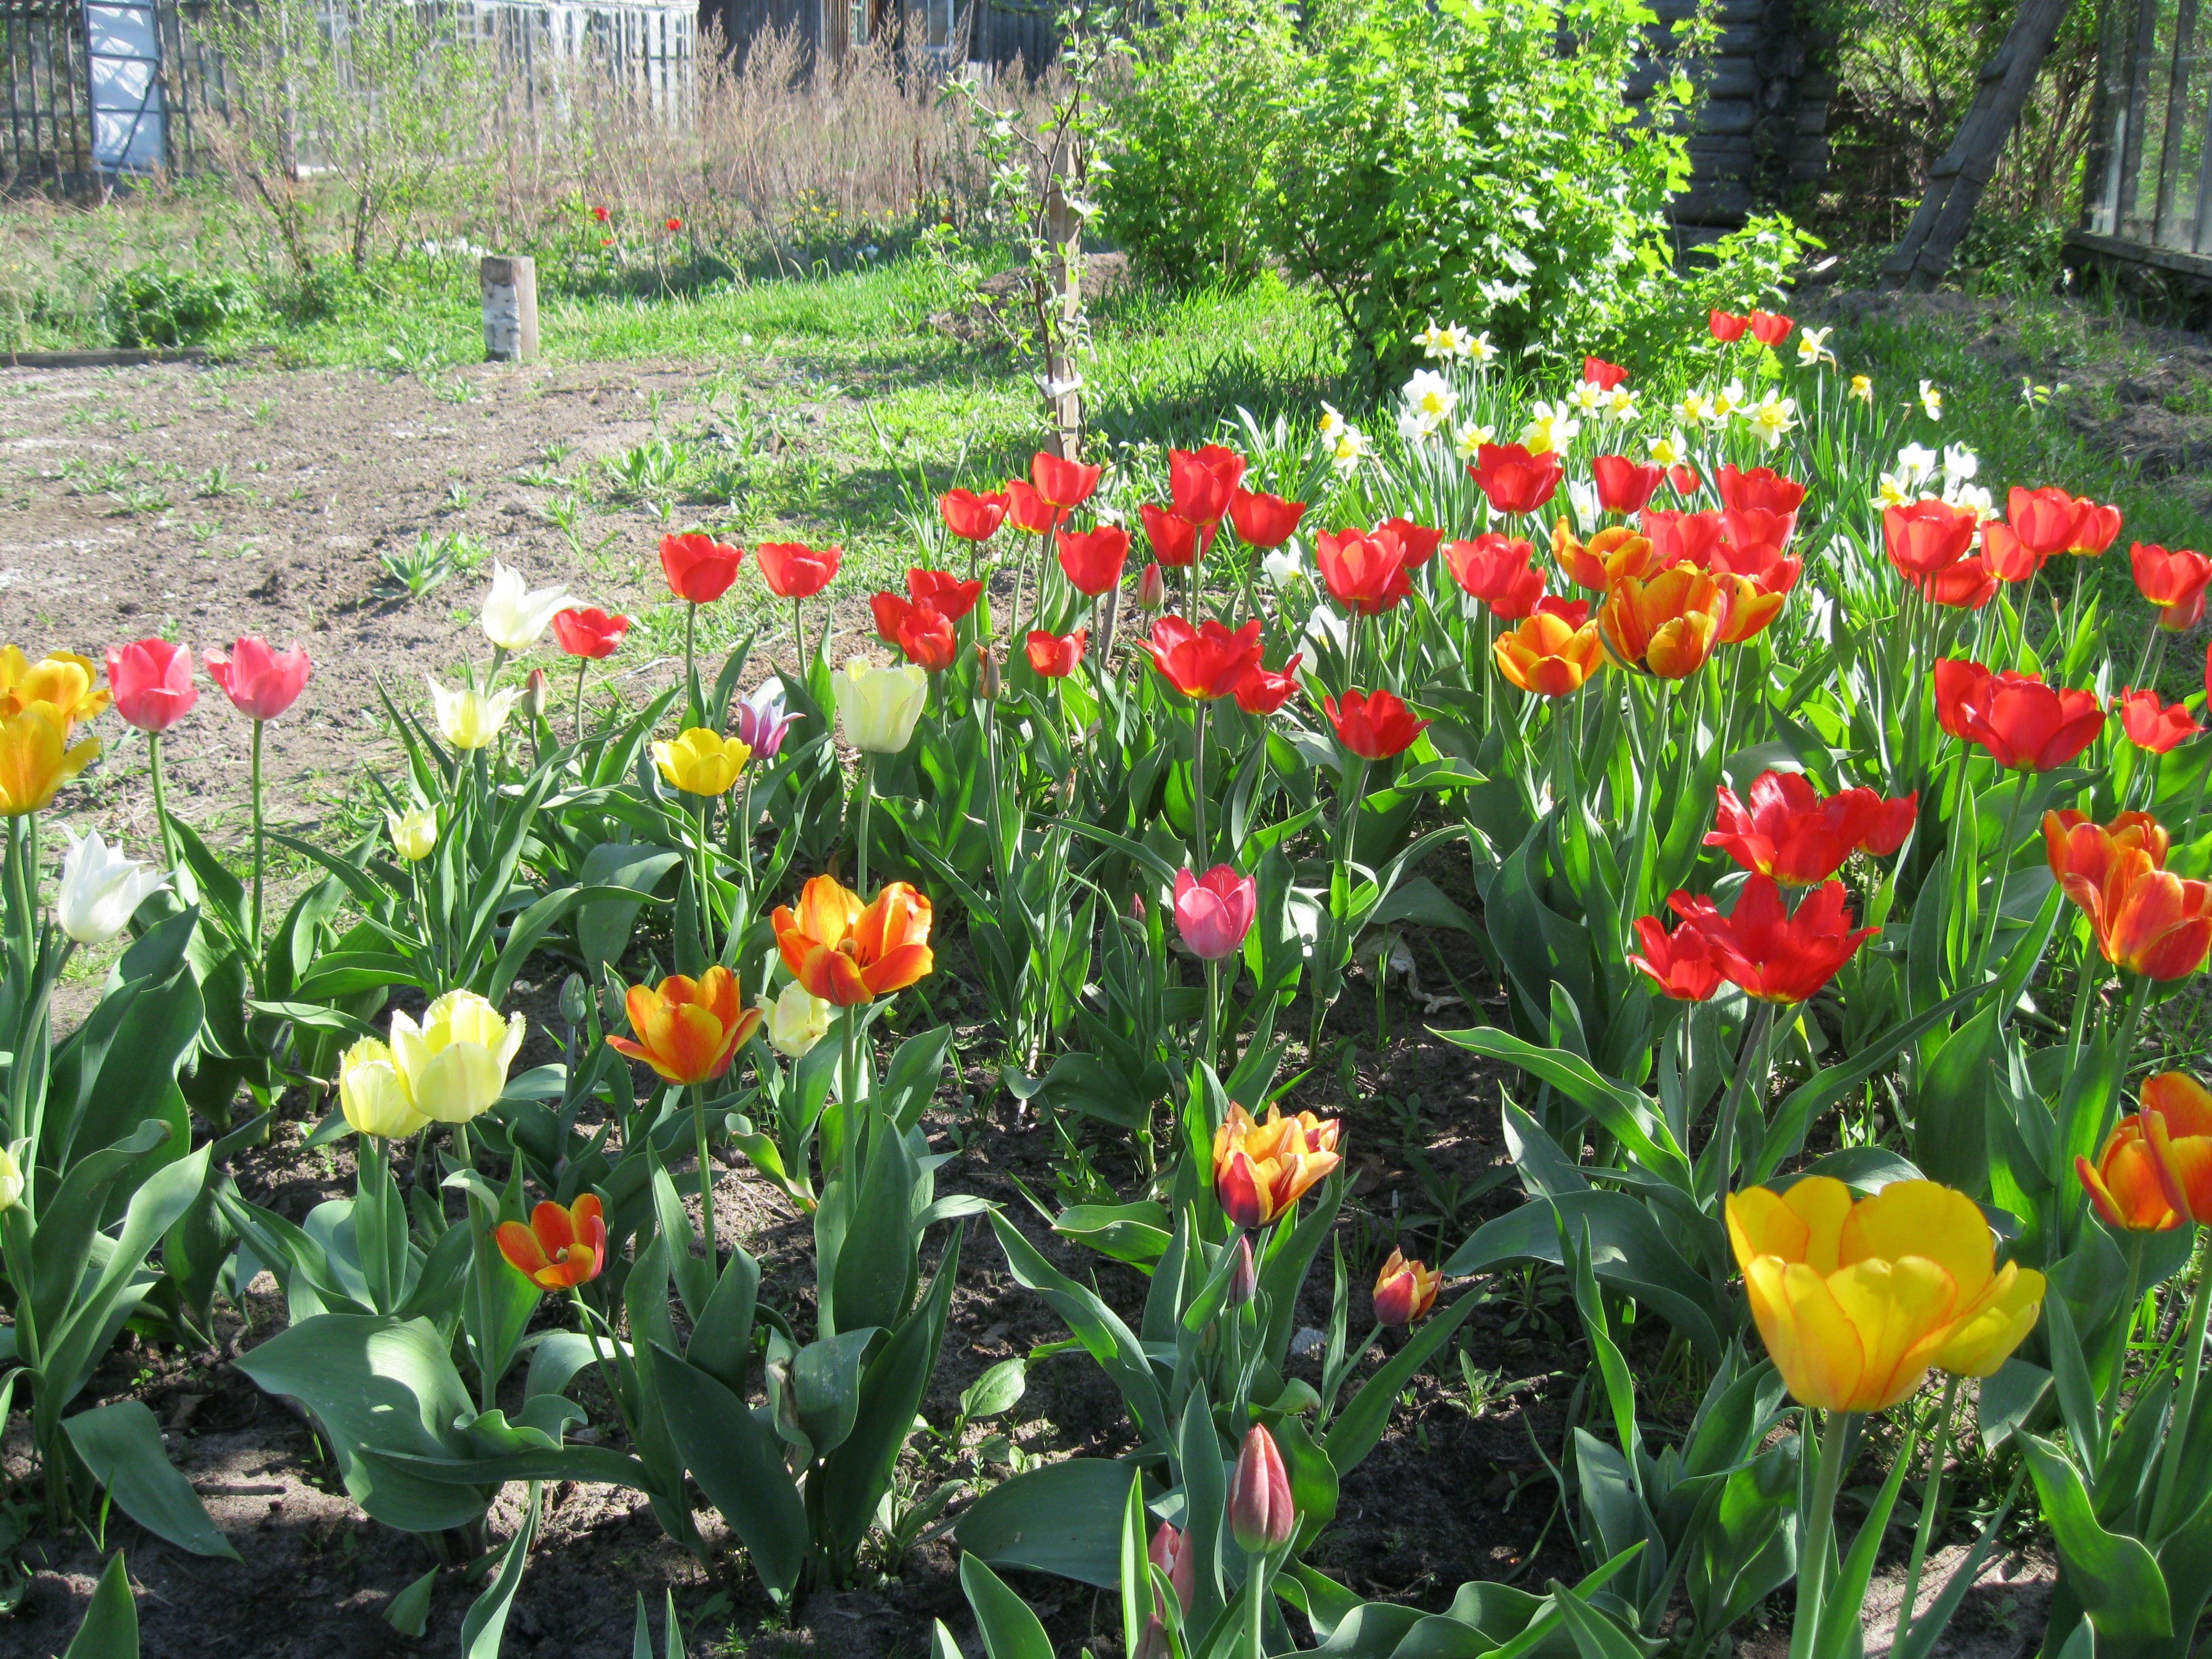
(102, 890)
(797, 1020)
(513, 618)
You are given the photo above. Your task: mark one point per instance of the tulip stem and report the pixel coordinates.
(2003, 866)
(706, 877)
(867, 789)
(706, 1173)
(1256, 1609)
(2192, 1360)
(161, 800)
(1213, 1012)
(1198, 788)
(1929, 1494)
(799, 635)
(582, 663)
(1820, 1533)
(260, 847)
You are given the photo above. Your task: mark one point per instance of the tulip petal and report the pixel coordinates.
(1814, 1346)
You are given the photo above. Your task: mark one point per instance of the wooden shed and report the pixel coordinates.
(2148, 187)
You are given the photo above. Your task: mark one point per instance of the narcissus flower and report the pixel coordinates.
(793, 570)
(1791, 832)
(877, 708)
(971, 517)
(699, 569)
(1373, 725)
(2152, 725)
(700, 761)
(1062, 484)
(1056, 655)
(1766, 952)
(1856, 1301)
(687, 1031)
(514, 617)
(1512, 479)
(2123, 1185)
(586, 631)
(1923, 538)
(1093, 559)
(1624, 486)
(36, 758)
(848, 953)
(261, 684)
(562, 1246)
(1260, 1169)
(2173, 582)
(1680, 964)
(1363, 573)
(1667, 626)
(1404, 1291)
(467, 718)
(2024, 724)
(1263, 691)
(1214, 911)
(1205, 662)
(11, 1173)
(1262, 1515)
(1549, 655)
(152, 680)
(2177, 1113)
(1264, 521)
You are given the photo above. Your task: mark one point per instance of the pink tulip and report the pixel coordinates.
(262, 683)
(1262, 1514)
(1214, 911)
(153, 683)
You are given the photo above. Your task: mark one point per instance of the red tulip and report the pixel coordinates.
(1959, 681)
(1093, 558)
(1797, 837)
(1681, 538)
(1495, 569)
(1176, 540)
(2047, 521)
(152, 680)
(1262, 1515)
(1573, 612)
(1602, 375)
(1684, 480)
(1727, 327)
(260, 682)
(943, 590)
(2099, 526)
(1055, 656)
(1214, 911)
(1264, 521)
(923, 632)
(1769, 953)
(1373, 725)
(1170, 1551)
(1151, 587)
(1768, 328)
(1262, 690)
(599, 213)
(1512, 479)
(2174, 583)
(1623, 485)
(1762, 487)
(2024, 724)
(1205, 662)
(1417, 542)
(1680, 963)
(1028, 510)
(699, 569)
(971, 517)
(582, 633)
(794, 571)
(1364, 572)
(2009, 559)
(1745, 527)
(1966, 585)
(1202, 483)
(2151, 724)
(1063, 484)
(676, 224)
(1925, 537)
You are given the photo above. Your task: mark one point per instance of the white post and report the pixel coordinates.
(510, 309)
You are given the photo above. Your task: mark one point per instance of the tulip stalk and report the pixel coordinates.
(706, 1173)
(161, 800)
(867, 791)
(260, 840)
(1198, 786)
(2191, 1362)
(1930, 1493)
(582, 663)
(1819, 1532)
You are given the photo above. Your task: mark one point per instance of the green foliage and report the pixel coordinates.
(156, 305)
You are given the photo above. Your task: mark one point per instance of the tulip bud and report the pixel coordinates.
(575, 1000)
(1404, 1291)
(1151, 587)
(1260, 1515)
(11, 1194)
(987, 674)
(1170, 1551)
(1243, 1283)
(533, 693)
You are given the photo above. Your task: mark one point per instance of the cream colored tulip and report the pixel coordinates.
(414, 835)
(11, 1174)
(372, 1093)
(468, 718)
(454, 1064)
(513, 618)
(877, 708)
(798, 1020)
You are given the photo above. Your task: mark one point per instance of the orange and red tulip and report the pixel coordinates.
(1549, 655)
(1404, 1291)
(563, 1246)
(1667, 626)
(689, 1029)
(2177, 1117)
(1262, 1169)
(848, 954)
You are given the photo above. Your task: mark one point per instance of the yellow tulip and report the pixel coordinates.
(470, 720)
(35, 758)
(11, 1173)
(61, 679)
(413, 834)
(372, 1093)
(1857, 1300)
(701, 762)
(453, 1066)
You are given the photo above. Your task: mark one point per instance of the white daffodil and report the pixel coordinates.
(1350, 447)
(1671, 450)
(1333, 423)
(1550, 427)
(1931, 399)
(1581, 497)
(1894, 491)
(1861, 388)
(1325, 628)
(1971, 495)
(1481, 350)
(1773, 417)
(1414, 427)
(102, 890)
(1284, 567)
(513, 618)
(1695, 409)
(1813, 347)
(1960, 463)
(1917, 463)
(1729, 400)
(1429, 396)
(1620, 406)
(1469, 439)
(1587, 398)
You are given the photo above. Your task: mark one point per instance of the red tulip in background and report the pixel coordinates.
(1769, 953)
(1205, 662)
(1966, 585)
(1151, 587)
(1063, 484)
(2152, 725)
(1727, 327)
(1093, 559)
(1053, 655)
(1373, 725)
(2024, 724)
(1681, 537)
(1203, 482)
(2173, 582)
(261, 684)
(1624, 486)
(1573, 612)
(1214, 911)
(1264, 521)
(1028, 511)
(1495, 569)
(1768, 328)
(1176, 541)
(699, 569)
(1417, 542)
(794, 571)
(1602, 375)
(152, 680)
(2047, 521)
(581, 632)
(1684, 479)
(2009, 559)
(1262, 690)
(1364, 572)
(2099, 525)
(1680, 963)
(1513, 480)
(1925, 537)
(943, 590)
(971, 517)
(1761, 487)
(1799, 837)
(923, 632)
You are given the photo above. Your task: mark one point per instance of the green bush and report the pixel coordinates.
(156, 304)
(1188, 136)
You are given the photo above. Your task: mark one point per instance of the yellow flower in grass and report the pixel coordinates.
(61, 679)
(1857, 1300)
(700, 761)
(36, 759)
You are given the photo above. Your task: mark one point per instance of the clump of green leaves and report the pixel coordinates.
(156, 304)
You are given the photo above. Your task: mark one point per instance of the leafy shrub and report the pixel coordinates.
(156, 304)
(1189, 134)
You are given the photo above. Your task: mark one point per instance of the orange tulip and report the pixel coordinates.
(2078, 846)
(846, 954)
(562, 1246)
(1404, 1291)
(1260, 1169)
(2147, 920)
(689, 1031)
(1667, 626)
(2177, 1113)
(1603, 560)
(1548, 655)
(1752, 603)
(2123, 1184)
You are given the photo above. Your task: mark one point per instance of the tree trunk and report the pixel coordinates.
(1955, 185)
